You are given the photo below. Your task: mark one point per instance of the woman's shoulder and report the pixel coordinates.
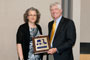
(24, 25)
(38, 25)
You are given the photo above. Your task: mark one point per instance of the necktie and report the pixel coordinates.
(51, 37)
(53, 31)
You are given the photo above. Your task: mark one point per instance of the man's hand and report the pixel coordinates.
(52, 51)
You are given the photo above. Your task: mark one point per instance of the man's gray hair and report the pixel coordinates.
(56, 3)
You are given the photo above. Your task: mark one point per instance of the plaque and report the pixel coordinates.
(41, 44)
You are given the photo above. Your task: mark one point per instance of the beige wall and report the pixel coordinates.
(76, 18)
(85, 21)
(11, 16)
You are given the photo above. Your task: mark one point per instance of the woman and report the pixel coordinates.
(25, 33)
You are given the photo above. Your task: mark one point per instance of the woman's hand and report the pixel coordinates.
(19, 50)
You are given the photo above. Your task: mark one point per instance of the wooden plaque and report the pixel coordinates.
(41, 44)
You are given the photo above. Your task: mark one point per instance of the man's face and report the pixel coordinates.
(55, 12)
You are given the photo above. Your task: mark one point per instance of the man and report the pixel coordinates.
(62, 34)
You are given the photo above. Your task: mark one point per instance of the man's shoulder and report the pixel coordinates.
(67, 19)
(51, 22)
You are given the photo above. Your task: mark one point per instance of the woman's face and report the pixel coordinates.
(32, 16)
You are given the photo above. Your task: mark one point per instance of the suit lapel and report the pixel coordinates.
(59, 27)
(50, 27)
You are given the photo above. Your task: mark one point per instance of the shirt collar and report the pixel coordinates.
(58, 20)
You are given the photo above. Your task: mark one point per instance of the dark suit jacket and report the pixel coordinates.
(64, 39)
(23, 38)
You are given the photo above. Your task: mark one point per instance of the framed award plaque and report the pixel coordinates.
(41, 44)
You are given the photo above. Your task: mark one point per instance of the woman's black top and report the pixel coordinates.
(23, 38)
